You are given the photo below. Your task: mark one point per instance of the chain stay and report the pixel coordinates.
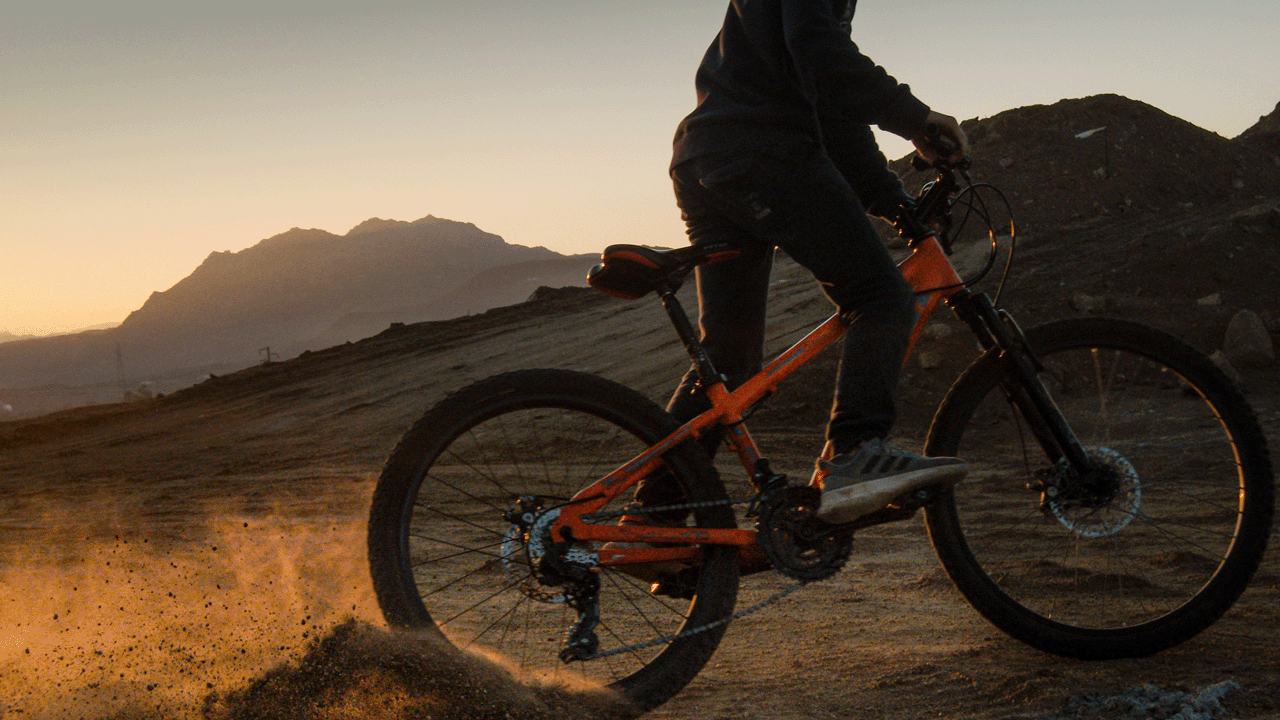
(751, 501)
(613, 514)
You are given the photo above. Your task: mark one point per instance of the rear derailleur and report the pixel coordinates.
(560, 565)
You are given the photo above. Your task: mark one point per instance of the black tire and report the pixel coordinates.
(436, 531)
(1161, 550)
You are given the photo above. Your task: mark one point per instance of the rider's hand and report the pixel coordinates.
(950, 130)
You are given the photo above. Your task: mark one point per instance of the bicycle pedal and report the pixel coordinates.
(902, 507)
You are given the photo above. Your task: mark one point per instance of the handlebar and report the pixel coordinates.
(943, 148)
(932, 215)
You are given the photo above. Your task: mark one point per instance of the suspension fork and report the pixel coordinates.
(997, 330)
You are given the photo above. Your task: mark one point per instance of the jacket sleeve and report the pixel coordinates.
(853, 149)
(834, 74)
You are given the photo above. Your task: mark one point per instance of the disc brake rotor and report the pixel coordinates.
(1100, 505)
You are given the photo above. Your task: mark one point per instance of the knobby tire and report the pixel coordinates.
(1154, 557)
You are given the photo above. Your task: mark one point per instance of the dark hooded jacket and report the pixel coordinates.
(784, 75)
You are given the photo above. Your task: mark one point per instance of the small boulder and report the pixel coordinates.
(1247, 341)
(1213, 300)
(1258, 218)
(1270, 322)
(1227, 368)
(928, 359)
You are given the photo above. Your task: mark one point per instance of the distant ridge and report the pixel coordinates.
(10, 337)
(375, 224)
(303, 289)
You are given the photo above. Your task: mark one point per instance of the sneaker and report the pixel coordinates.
(869, 478)
(648, 572)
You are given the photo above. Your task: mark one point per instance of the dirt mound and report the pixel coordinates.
(1267, 125)
(1264, 135)
(1056, 173)
(360, 670)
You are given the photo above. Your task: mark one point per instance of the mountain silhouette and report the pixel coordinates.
(10, 337)
(299, 290)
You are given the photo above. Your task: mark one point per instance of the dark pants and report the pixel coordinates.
(806, 207)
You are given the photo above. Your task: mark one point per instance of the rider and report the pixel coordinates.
(779, 153)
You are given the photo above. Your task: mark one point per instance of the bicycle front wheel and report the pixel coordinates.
(1134, 557)
(442, 555)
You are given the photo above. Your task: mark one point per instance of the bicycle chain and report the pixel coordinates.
(664, 508)
(701, 628)
(705, 626)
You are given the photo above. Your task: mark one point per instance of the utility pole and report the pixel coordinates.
(120, 370)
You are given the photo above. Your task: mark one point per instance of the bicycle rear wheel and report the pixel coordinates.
(442, 556)
(1129, 560)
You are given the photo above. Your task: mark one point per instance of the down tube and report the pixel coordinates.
(927, 268)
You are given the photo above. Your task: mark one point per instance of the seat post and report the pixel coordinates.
(688, 336)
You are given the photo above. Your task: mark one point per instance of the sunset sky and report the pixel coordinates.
(136, 138)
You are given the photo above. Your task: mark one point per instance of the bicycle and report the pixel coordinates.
(1119, 499)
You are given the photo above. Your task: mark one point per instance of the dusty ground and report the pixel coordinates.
(158, 558)
(156, 553)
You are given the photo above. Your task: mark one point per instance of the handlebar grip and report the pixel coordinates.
(941, 145)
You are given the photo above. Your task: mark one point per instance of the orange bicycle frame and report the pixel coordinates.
(927, 270)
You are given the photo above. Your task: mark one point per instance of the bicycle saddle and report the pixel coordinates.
(633, 271)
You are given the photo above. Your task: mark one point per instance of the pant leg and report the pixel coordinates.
(801, 203)
(805, 206)
(732, 299)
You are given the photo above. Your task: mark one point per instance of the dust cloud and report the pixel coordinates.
(237, 616)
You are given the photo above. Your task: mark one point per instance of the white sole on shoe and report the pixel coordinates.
(846, 504)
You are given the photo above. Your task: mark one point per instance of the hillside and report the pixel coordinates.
(1145, 162)
(299, 290)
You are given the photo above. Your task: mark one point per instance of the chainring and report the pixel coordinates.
(795, 541)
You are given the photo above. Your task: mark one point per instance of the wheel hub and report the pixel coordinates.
(1099, 503)
(525, 549)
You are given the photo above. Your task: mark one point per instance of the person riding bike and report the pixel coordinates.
(779, 153)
